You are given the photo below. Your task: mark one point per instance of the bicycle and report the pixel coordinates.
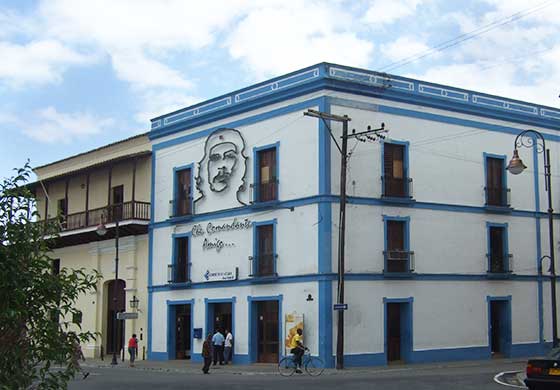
(313, 365)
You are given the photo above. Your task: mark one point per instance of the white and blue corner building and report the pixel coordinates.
(442, 245)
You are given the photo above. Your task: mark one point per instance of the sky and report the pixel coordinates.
(76, 75)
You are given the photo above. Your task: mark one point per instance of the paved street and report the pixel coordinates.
(467, 375)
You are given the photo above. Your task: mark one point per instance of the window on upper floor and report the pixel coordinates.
(62, 211)
(497, 193)
(264, 257)
(395, 180)
(183, 192)
(397, 254)
(266, 176)
(179, 270)
(499, 260)
(117, 203)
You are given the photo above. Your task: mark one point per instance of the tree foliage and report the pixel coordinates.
(37, 336)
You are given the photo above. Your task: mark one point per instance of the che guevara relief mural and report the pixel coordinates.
(221, 172)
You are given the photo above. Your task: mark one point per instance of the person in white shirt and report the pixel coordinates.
(228, 344)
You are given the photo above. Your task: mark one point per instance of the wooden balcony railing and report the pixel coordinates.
(122, 212)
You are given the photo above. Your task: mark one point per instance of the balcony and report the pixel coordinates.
(396, 189)
(497, 197)
(79, 228)
(263, 266)
(398, 261)
(177, 273)
(499, 265)
(266, 191)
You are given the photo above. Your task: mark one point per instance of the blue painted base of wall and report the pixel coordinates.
(426, 356)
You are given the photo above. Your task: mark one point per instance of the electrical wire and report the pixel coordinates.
(466, 36)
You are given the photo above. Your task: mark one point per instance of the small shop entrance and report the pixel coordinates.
(180, 328)
(268, 337)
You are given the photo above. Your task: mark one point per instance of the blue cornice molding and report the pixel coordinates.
(360, 81)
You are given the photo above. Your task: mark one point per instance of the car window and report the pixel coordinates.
(554, 354)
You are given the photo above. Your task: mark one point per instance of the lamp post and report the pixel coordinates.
(515, 167)
(101, 231)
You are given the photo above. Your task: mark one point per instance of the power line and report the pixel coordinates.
(466, 36)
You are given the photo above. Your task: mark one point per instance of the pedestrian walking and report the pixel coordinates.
(218, 345)
(206, 353)
(133, 349)
(228, 346)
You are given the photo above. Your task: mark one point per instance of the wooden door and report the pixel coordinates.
(265, 236)
(267, 175)
(222, 317)
(397, 258)
(497, 255)
(494, 181)
(183, 196)
(182, 261)
(182, 331)
(268, 337)
(393, 332)
(115, 334)
(117, 203)
(394, 173)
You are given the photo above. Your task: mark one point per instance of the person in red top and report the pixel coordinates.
(132, 349)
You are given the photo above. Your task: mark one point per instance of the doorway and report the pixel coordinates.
(499, 327)
(220, 317)
(180, 331)
(398, 330)
(117, 203)
(267, 330)
(115, 304)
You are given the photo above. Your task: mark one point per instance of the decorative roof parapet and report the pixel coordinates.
(321, 74)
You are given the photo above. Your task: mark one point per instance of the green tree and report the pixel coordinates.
(37, 337)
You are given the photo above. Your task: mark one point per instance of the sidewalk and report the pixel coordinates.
(186, 366)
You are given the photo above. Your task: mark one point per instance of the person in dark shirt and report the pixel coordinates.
(206, 353)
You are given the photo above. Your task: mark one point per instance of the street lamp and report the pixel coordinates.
(101, 231)
(532, 138)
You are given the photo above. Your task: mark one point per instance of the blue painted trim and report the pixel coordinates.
(508, 340)
(406, 221)
(348, 276)
(174, 252)
(176, 170)
(256, 224)
(435, 117)
(252, 328)
(209, 318)
(505, 241)
(407, 341)
(241, 122)
(151, 256)
(257, 172)
(450, 354)
(171, 353)
(536, 189)
(248, 210)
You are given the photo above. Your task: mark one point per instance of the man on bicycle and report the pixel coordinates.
(297, 348)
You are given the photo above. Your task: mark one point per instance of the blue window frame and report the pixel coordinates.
(183, 183)
(499, 325)
(395, 179)
(496, 193)
(266, 173)
(499, 259)
(179, 271)
(398, 258)
(172, 307)
(264, 257)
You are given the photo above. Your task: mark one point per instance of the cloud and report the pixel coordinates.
(51, 126)
(385, 12)
(38, 62)
(275, 39)
(402, 48)
(156, 103)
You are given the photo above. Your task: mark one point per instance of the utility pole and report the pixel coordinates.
(344, 119)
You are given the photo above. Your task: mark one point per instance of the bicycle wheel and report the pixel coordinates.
(314, 366)
(287, 366)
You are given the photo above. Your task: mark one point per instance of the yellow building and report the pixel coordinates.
(105, 186)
